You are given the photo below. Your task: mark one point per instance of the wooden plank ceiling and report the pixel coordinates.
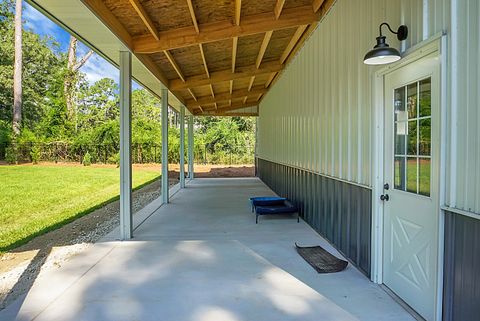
(216, 56)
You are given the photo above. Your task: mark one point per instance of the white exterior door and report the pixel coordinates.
(411, 211)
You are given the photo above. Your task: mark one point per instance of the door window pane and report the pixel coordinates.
(424, 141)
(424, 176)
(412, 174)
(399, 105)
(425, 98)
(400, 134)
(400, 173)
(412, 100)
(412, 138)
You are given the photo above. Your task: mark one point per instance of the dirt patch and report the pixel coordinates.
(20, 267)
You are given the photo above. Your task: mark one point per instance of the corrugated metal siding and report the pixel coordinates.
(337, 210)
(318, 115)
(465, 184)
(462, 264)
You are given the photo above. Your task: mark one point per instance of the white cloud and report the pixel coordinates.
(38, 23)
(97, 68)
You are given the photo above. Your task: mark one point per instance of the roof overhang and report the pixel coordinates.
(215, 57)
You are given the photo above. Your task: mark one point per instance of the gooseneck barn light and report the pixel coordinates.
(382, 53)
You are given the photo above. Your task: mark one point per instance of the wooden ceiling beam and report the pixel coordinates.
(263, 47)
(293, 42)
(192, 14)
(238, 10)
(234, 53)
(270, 79)
(224, 75)
(216, 31)
(174, 65)
(317, 4)
(145, 18)
(278, 8)
(224, 97)
(192, 94)
(204, 60)
(212, 92)
(250, 85)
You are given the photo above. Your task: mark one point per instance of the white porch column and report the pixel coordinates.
(182, 146)
(190, 147)
(125, 145)
(164, 116)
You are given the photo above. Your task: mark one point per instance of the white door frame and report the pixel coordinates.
(437, 43)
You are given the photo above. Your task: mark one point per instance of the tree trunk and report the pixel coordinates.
(70, 82)
(17, 72)
(69, 77)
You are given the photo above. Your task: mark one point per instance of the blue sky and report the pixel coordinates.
(96, 67)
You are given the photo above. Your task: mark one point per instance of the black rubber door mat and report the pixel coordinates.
(321, 260)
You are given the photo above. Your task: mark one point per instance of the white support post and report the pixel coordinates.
(125, 145)
(164, 116)
(182, 146)
(190, 147)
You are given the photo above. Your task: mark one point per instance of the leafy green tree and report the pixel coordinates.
(98, 103)
(42, 65)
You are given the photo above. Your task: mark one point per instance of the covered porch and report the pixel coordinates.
(202, 257)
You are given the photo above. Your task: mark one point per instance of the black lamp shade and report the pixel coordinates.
(381, 54)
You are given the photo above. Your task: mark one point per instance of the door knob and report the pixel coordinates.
(384, 197)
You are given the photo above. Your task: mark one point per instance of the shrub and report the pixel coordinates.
(114, 159)
(87, 159)
(35, 154)
(11, 155)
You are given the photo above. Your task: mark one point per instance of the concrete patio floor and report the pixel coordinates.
(202, 258)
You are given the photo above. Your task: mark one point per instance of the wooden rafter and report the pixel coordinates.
(174, 65)
(224, 75)
(263, 47)
(250, 85)
(296, 36)
(224, 97)
(192, 14)
(304, 19)
(145, 18)
(270, 79)
(317, 4)
(238, 10)
(234, 53)
(204, 60)
(212, 92)
(192, 94)
(211, 32)
(278, 8)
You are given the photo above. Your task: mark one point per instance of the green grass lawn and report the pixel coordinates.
(36, 199)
